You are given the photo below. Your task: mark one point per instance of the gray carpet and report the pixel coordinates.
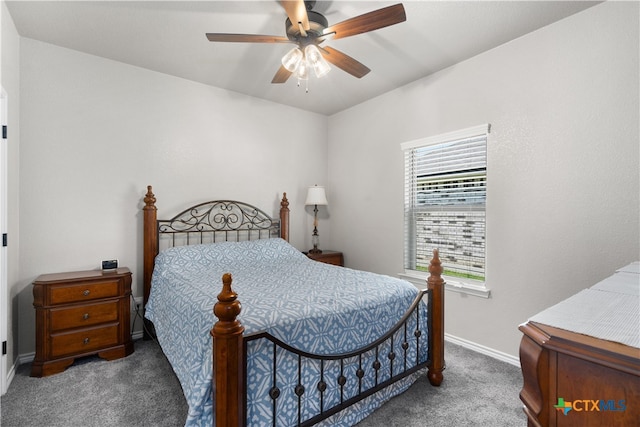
(141, 390)
(477, 391)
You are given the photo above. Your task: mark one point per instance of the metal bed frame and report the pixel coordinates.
(237, 221)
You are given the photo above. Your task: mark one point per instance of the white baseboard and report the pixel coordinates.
(504, 357)
(25, 358)
(28, 358)
(10, 375)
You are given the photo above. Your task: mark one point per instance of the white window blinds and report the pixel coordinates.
(445, 193)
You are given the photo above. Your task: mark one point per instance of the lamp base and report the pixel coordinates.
(314, 251)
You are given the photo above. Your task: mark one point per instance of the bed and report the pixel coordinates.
(580, 358)
(259, 334)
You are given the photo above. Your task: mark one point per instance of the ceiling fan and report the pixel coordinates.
(308, 30)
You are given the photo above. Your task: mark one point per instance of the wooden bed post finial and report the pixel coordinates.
(227, 359)
(227, 308)
(284, 217)
(435, 269)
(149, 199)
(435, 284)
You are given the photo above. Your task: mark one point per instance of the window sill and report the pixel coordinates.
(450, 283)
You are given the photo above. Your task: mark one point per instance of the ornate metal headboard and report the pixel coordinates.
(215, 221)
(209, 222)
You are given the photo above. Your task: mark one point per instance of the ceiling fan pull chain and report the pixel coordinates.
(306, 85)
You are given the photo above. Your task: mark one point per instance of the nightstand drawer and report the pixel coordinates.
(82, 292)
(87, 315)
(83, 341)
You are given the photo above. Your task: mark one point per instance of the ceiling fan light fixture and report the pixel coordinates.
(307, 29)
(317, 62)
(291, 61)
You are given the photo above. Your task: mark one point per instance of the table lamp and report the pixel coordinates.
(315, 196)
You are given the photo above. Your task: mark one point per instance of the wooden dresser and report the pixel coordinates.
(575, 371)
(328, 257)
(79, 314)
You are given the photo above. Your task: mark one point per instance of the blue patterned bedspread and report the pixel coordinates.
(315, 307)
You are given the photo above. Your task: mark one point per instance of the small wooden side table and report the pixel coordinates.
(79, 314)
(328, 257)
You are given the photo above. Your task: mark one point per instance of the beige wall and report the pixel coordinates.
(563, 166)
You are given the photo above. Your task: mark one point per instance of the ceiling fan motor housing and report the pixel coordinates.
(317, 24)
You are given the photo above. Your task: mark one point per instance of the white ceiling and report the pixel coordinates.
(169, 37)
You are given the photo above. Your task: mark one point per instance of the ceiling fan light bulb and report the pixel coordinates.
(312, 53)
(321, 68)
(291, 61)
(302, 73)
(317, 62)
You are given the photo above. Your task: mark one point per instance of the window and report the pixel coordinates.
(445, 194)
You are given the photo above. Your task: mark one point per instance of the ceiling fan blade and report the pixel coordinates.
(368, 22)
(344, 62)
(282, 75)
(297, 12)
(246, 38)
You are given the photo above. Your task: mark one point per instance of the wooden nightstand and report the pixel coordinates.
(328, 257)
(80, 314)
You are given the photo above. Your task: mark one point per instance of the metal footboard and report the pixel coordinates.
(394, 356)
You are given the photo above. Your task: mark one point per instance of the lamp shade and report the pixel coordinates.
(316, 196)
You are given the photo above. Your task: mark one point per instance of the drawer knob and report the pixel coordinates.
(86, 292)
(85, 341)
(85, 316)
